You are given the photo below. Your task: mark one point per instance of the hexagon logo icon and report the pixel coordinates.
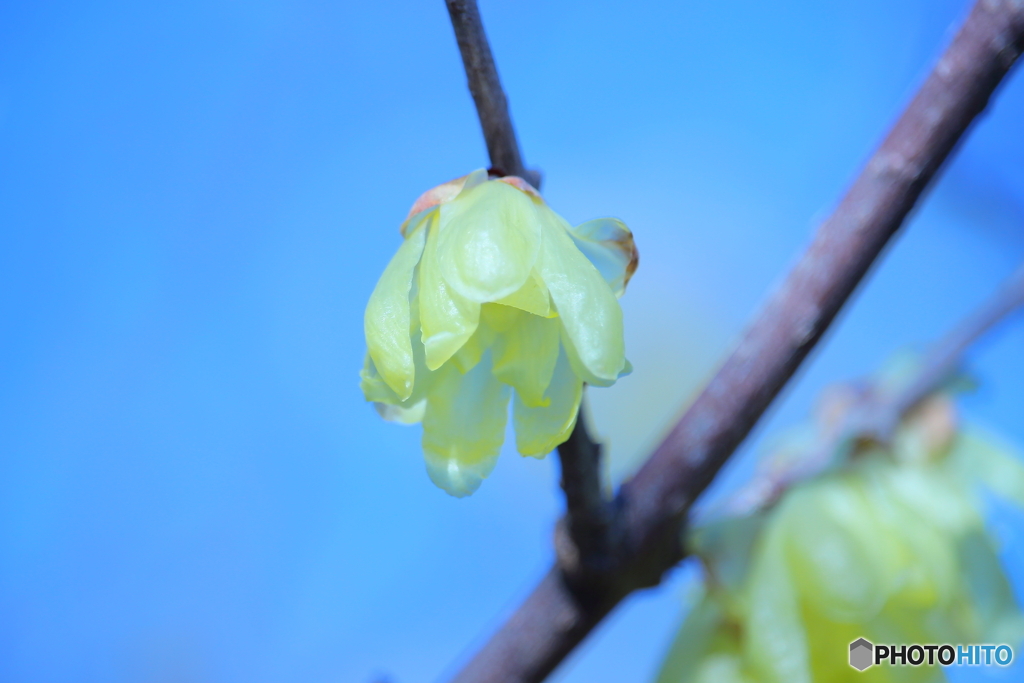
(861, 654)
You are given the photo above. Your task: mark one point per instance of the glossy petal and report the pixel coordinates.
(539, 430)
(489, 239)
(385, 400)
(608, 244)
(583, 371)
(387, 320)
(447, 318)
(464, 427)
(525, 356)
(532, 297)
(586, 305)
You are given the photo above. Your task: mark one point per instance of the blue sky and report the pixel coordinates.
(196, 200)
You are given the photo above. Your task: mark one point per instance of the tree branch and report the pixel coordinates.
(484, 85)
(875, 414)
(944, 358)
(584, 539)
(654, 504)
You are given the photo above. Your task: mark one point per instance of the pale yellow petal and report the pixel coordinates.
(776, 643)
(540, 430)
(447, 318)
(501, 318)
(489, 239)
(976, 456)
(583, 371)
(406, 416)
(445, 192)
(532, 297)
(935, 496)
(387, 320)
(993, 615)
(525, 356)
(373, 385)
(608, 244)
(585, 303)
(464, 427)
(928, 577)
(704, 649)
(475, 347)
(477, 177)
(835, 548)
(385, 400)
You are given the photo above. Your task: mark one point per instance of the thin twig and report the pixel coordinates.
(945, 357)
(655, 503)
(874, 415)
(584, 539)
(484, 85)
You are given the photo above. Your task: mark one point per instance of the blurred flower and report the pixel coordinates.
(492, 294)
(890, 546)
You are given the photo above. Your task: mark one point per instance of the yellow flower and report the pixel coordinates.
(892, 546)
(492, 294)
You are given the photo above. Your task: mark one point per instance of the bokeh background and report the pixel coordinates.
(196, 199)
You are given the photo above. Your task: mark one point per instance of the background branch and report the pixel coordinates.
(654, 504)
(875, 414)
(944, 358)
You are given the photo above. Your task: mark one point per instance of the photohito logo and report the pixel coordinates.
(864, 653)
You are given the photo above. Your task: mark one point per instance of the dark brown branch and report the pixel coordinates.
(484, 85)
(655, 503)
(584, 538)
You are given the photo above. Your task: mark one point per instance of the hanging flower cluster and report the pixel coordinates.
(494, 297)
(890, 546)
